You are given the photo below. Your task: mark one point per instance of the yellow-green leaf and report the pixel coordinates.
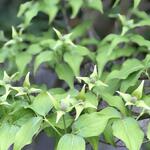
(71, 142)
(93, 124)
(129, 132)
(7, 135)
(75, 65)
(27, 131)
(76, 5)
(42, 104)
(64, 72)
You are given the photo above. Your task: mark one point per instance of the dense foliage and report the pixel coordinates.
(105, 104)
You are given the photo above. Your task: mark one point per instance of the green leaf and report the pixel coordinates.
(140, 40)
(142, 104)
(81, 50)
(114, 42)
(115, 101)
(108, 134)
(2, 37)
(7, 135)
(53, 101)
(129, 132)
(22, 60)
(58, 33)
(27, 131)
(102, 58)
(3, 99)
(127, 97)
(130, 81)
(42, 104)
(116, 3)
(21, 115)
(79, 108)
(139, 91)
(45, 56)
(110, 112)
(34, 49)
(71, 142)
(60, 124)
(75, 65)
(3, 56)
(31, 13)
(81, 29)
(128, 67)
(146, 99)
(23, 8)
(145, 22)
(94, 142)
(64, 72)
(76, 5)
(91, 98)
(14, 33)
(55, 91)
(146, 61)
(26, 82)
(93, 124)
(59, 115)
(136, 3)
(122, 52)
(113, 85)
(96, 4)
(45, 5)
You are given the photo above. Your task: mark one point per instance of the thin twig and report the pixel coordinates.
(29, 99)
(64, 122)
(47, 121)
(109, 144)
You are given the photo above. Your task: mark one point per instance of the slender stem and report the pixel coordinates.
(29, 99)
(101, 141)
(47, 121)
(140, 115)
(64, 124)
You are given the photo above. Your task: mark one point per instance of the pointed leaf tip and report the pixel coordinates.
(139, 91)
